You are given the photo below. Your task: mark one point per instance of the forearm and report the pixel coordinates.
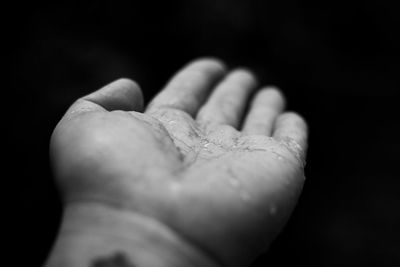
(94, 235)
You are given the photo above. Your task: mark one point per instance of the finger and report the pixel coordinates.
(122, 94)
(291, 129)
(189, 88)
(266, 105)
(227, 103)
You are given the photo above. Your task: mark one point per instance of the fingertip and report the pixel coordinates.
(123, 81)
(276, 91)
(243, 74)
(276, 97)
(293, 117)
(212, 63)
(121, 94)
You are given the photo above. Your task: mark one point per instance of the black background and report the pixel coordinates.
(336, 62)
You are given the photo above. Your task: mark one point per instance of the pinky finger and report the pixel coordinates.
(291, 129)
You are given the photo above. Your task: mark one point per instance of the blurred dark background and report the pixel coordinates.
(336, 62)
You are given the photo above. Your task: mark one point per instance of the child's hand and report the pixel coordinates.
(223, 178)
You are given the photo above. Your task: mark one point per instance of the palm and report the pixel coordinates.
(211, 183)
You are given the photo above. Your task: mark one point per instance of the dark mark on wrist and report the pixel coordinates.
(118, 259)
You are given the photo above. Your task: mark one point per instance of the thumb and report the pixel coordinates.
(122, 94)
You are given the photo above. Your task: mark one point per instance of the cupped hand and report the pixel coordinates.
(212, 157)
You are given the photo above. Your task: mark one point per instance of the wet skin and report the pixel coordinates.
(224, 180)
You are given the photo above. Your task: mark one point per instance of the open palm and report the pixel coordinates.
(192, 160)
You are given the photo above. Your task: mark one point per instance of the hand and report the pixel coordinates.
(194, 159)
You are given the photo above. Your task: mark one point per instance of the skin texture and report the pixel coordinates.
(212, 157)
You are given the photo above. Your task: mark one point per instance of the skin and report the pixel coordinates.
(213, 157)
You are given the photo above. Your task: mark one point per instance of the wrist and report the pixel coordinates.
(95, 235)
